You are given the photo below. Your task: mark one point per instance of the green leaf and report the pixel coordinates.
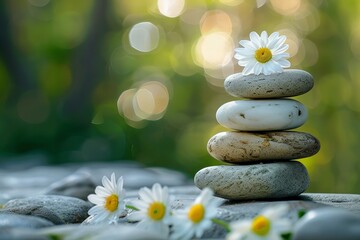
(286, 236)
(132, 207)
(301, 213)
(221, 223)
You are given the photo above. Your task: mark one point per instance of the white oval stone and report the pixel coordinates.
(291, 82)
(262, 115)
(250, 182)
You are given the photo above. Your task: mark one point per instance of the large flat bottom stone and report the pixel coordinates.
(252, 182)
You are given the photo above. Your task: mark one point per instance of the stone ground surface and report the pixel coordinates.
(36, 201)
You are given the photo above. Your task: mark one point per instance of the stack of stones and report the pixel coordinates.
(261, 152)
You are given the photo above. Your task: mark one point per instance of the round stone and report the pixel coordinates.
(328, 224)
(289, 83)
(57, 209)
(251, 182)
(243, 147)
(262, 115)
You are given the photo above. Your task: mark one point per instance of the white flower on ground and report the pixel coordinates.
(153, 210)
(109, 200)
(269, 224)
(195, 219)
(263, 54)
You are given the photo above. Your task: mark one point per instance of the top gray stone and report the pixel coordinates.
(291, 82)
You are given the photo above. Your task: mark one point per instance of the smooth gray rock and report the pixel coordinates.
(251, 182)
(350, 202)
(57, 209)
(8, 220)
(328, 224)
(78, 184)
(243, 147)
(21, 234)
(100, 232)
(291, 82)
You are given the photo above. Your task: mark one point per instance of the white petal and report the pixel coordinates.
(165, 195)
(264, 38)
(102, 192)
(95, 199)
(275, 212)
(247, 44)
(255, 39)
(205, 195)
(249, 68)
(241, 226)
(107, 184)
(272, 38)
(146, 195)
(276, 42)
(284, 63)
(141, 205)
(120, 183)
(101, 217)
(243, 62)
(281, 49)
(113, 179)
(281, 40)
(245, 52)
(280, 56)
(258, 68)
(96, 210)
(157, 192)
(200, 229)
(282, 225)
(274, 67)
(157, 227)
(183, 231)
(136, 216)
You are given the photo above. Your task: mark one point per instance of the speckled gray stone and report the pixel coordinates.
(260, 181)
(78, 184)
(9, 220)
(291, 82)
(57, 209)
(328, 224)
(243, 147)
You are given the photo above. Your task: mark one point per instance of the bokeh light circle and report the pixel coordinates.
(144, 36)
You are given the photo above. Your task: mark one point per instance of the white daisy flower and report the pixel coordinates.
(109, 200)
(263, 54)
(197, 218)
(153, 211)
(269, 224)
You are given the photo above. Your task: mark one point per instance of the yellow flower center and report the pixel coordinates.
(112, 202)
(260, 225)
(263, 55)
(156, 211)
(196, 213)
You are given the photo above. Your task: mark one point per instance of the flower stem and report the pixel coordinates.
(132, 207)
(221, 223)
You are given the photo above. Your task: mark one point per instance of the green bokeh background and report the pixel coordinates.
(64, 64)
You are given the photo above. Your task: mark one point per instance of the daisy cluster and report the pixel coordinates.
(152, 211)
